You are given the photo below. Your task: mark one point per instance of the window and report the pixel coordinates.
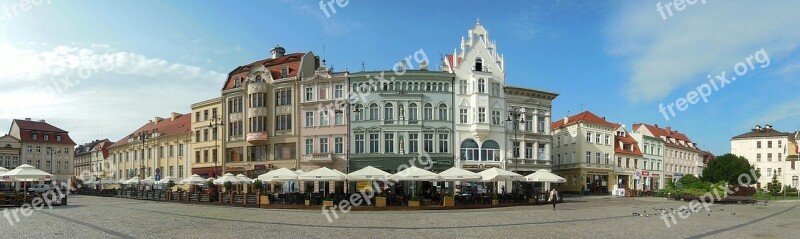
(338, 91)
(34, 136)
(256, 100)
(588, 157)
(197, 156)
(180, 171)
(597, 138)
(309, 93)
(608, 139)
(309, 146)
(283, 122)
(481, 85)
(597, 158)
(359, 112)
(58, 138)
(528, 150)
(769, 157)
(323, 92)
(589, 137)
(478, 65)
(444, 143)
(258, 124)
(607, 158)
(462, 87)
(205, 114)
(234, 105)
(540, 124)
(285, 72)
(388, 143)
(758, 144)
(779, 171)
(529, 123)
(180, 151)
(388, 113)
(309, 119)
(495, 117)
(205, 156)
(338, 145)
(283, 97)
(780, 143)
(373, 112)
(323, 118)
(413, 142)
(769, 172)
(172, 150)
(46, 137)
(38, 149)
(30, 149)
(412, 113)
(481, 115)
(338, 117)
(427, 112)
(427, 143)
(323, 145)
(205, 134)
(495, 89)
(780, 156)
(373, 143)
(443, 112)
(462, 115)
(359, 143)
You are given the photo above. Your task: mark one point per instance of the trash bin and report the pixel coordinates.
(63, 200)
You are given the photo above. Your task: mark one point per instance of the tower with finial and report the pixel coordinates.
(277, 51)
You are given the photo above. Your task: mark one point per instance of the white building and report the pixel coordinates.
(480, 106)
(681, 155)
(768, 150)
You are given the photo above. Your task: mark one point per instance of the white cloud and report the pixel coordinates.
(789, 110)
(663, 55)
(96, 92)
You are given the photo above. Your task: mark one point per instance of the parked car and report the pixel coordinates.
(41, 188)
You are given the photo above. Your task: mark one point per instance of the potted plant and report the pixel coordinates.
(263, 198)
(380, 201)
(495, 200)
(414, 202)
(308, 199)
(170, 184)
(449, 200)
(328, 202)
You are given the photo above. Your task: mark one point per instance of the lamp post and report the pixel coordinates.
(50, 151)
(216, 121)
(143, 137)
(515, 117)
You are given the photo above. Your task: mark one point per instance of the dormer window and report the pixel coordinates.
(46, 137)
(259, 79)
(238, 82)
(58, 138)
(285, 72)
(478, 64)
(34, 136)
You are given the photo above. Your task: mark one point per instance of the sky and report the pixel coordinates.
(101, 69)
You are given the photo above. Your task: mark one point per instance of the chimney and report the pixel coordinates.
(27, 119)
(566, 119)
(669, 130)
(174, 115)
(157, 119)
(656, 125)
(41, 121)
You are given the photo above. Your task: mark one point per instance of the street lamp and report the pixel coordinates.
(516, 115)
(216, 121)
(50, 151)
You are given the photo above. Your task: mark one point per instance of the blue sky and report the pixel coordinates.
(100, 69)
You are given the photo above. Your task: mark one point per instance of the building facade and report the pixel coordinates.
(681, 155)
(260, 113)
(480, 104)
(528, 129)
(402, 122)
(90, 160)
(771, 151)
(629, 160)
(584, 145)
(159, 148)
(46, 147)
(10, 148)
(324, 115)
(653, 161)
(207, 144)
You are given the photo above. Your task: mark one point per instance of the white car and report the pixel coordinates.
(41, 188)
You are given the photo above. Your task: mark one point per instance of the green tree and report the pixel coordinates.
(774, 187)
(728, 168)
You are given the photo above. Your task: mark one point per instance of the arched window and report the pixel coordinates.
(388, 113)
(469, 150)
(259, 79)
(359, 112)
(490, 151)
(443, 112)
(481, 85)
(373, 112)
(478, 64)
(427, 113)
(428, 86)
(412, 113)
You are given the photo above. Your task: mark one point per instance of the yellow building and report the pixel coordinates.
(206, 144)
(159, 148)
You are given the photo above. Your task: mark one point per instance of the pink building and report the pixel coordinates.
(323, 117)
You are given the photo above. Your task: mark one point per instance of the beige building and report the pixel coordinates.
(207, 146)
(10, 148)
(45, 147)
(161, 146)
(583, 147)
(90, 160)
(529, 115)
(259, 108)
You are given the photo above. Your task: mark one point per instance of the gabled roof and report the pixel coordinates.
(585, 116)
(669, 134)
(763, 132)
(275, 66)
(619, 141)
(451, 63)
(165, 127)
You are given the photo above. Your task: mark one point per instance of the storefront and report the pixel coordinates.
(207, 172)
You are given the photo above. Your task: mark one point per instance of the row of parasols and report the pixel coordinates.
(24, 173)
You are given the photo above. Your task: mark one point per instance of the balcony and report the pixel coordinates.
(318, 158)
(481, 129)
(257, 137)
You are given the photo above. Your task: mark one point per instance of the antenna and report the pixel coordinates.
(363, 66)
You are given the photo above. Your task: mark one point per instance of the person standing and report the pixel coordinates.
(554, 197)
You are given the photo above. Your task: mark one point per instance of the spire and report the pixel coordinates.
(478, 22)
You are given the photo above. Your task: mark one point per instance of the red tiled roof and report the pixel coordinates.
(585, 116)
(450, 62)
(627, 139)
(274, 65)
(668, 133)
(28, 127)
(164, 127)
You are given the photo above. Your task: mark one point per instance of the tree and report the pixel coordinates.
(774, 187)
(728, 168)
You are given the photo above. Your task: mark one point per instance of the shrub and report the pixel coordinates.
(228, 186)
(257, 184)
(742, 190)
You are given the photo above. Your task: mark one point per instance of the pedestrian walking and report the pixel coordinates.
(554, 197)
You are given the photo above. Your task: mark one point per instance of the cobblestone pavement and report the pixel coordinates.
(603, 217)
